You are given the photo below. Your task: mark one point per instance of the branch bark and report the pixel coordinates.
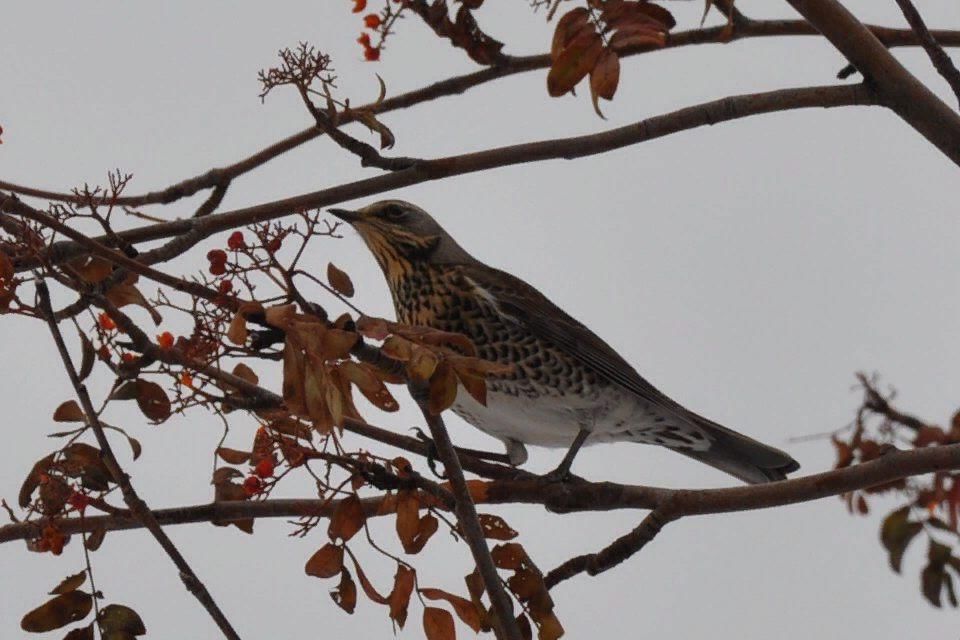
(187, 233)
(505, 623)
(137, 506)
(900, 90)
(941, 61)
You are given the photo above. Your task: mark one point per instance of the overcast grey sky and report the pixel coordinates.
(748, 270)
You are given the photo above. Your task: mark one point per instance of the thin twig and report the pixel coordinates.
(941, 61)
(505, 622)
(136, 504)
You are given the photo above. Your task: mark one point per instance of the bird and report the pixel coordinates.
(567, 388)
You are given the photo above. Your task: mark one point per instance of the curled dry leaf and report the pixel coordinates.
(574, 62)
(403, 581)
(345, 595)
(373, 328)
(119, 621)
(443, 389)
(233, 456)
(367, 586)
(604, 78)
(464, 608)
(70, 583)
(366, 379)
(339, 280)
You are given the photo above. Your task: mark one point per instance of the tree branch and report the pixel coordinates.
(941, 61)
(505, 623)
(616, 552)
(136, 504)
(900, 90)
(743, 30)
(186, 233)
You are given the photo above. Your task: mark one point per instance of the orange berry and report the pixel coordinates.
(359, 5)
(186, 379)
(252, 485)
(128, 357)
(364, 39)
(274, 245)
(106, 322)
(371, 21)
(371, 54)
(165, 340)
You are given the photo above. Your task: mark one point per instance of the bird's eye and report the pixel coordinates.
(393, 213)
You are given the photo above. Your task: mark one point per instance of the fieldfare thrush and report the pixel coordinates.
(568, 387)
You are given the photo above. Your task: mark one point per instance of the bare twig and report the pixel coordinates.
(941, 61)
(875, 402)
(186, 233)
(136, 504)
(616, 552)
(505, 622)
(459, 84)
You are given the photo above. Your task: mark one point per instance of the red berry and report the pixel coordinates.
(218, 268)
(106, 322)
(225, 286)
(252, 485)
(371, 21)
(371, 54)
(128, 357)
(216, 256)
(264, 468)
(165, 340)
(274, 245)
(364, 39)
(79, 501)
(236, 241)
(359, 5)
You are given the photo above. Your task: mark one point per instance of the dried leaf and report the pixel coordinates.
(95, 538)
(574, 63)
(568, 27)
(32, 481)
(87, 357)
(508, 556)
(438, 624)
(70, 583)
(58, 612)
(363, 376)
(367, 586)
(423, 362)
(495, 527)
(604, 78)
(233, 456)
(347, 519)
(443, 389)
(345, 594)
(152, 400)
(464, 608)
(81, 633)
(408, 517)
(338, 343)
(119, 619)
(339, 280)
(92, 269)
(246, 373)
(326, 562)
(80, 460)
(397, 348)
(237, 331)
(403, 581)
(127, 294)
(475, 385)
(896, 533)
(373, 328)
(69, 411)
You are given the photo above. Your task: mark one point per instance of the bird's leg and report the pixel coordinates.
(562, 472)
(489, 456)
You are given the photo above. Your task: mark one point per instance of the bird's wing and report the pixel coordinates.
(531, 309)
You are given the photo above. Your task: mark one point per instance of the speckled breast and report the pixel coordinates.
(440, 297)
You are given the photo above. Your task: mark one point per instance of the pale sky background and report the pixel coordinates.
(748, 270)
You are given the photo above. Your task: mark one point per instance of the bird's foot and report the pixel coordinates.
(561, 474)
(432, 455)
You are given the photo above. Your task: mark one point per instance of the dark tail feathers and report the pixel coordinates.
(741, 456)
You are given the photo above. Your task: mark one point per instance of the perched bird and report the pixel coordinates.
(568, 387)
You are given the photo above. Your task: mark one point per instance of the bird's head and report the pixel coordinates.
(401, 234)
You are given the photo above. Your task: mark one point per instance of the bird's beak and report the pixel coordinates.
(347, 216)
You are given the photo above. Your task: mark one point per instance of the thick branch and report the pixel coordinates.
(186, 233)
(136, 504)
(900, 89)
(744, 29)
(505, 623)
(941, 61)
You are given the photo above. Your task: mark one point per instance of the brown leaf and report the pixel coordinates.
(87, 357)
(443, 389)
(896, 533)
(369, 384)
(233, 456)
(246, 373)
(92, 269)
(69, 411)
(465, 609)
(508, 556)
(604, 78)
(549, 627)
(80, 633)
(347, 519)
(95, 538)
(32, 481)
(80, 460)
(70, 583)
(237, 331)
(495, 527)
(120, 620)
(568, 27)
(127, 294)
(373, 328)
(370, 121)
(337, 343)
(326, 562)
(367, 586)
(58, 612)
(408, 517)
(403, 582)
(397, 348)
(438, 624)
(574, 63)
(340, 281)
(345, 594)
(475, 385)
(152, 400)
